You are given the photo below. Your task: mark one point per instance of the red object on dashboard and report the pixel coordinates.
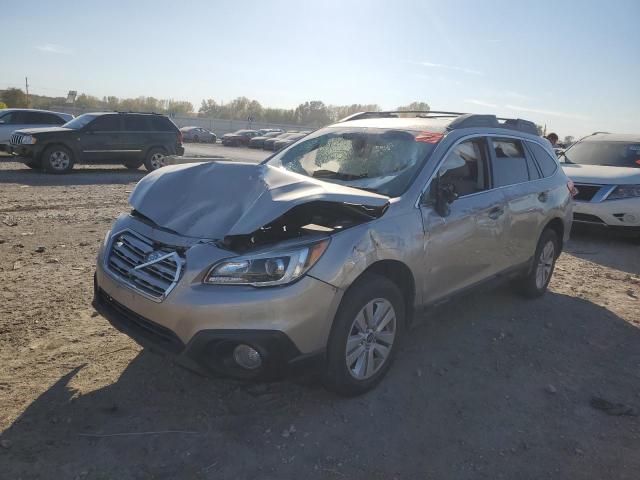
(429, 137)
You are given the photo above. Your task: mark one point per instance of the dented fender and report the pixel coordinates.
(351, 252)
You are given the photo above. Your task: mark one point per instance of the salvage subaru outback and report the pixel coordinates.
(329, 249)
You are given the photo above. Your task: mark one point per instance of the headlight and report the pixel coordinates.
(624, 191)
(28, 139)
(266, 269)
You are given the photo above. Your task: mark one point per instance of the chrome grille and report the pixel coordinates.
(150, 268)
(16, 138)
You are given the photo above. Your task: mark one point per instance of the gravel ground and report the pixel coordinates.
(490, 386)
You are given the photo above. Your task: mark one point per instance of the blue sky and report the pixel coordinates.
(572, 65)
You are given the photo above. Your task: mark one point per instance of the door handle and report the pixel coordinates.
(496, 212)
(543, 196)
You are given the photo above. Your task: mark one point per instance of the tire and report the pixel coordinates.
(57, 159)
(213, 139)
(154, 159)
(196, 139)
(347, 366)
(133, 164)
(534, 284)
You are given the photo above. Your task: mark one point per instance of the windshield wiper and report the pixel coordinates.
(337, 175)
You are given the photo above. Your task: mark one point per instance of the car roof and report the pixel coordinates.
(437, 125)
(33, 110)
(613, 137)
(126, 113)
(437, 121)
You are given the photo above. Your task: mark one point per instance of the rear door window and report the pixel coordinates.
(15, 118)
(509, 162)
(106, 123)
(136, 123)
(43, 118)
(548, 164)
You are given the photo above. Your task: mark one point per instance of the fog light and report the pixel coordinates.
(247, 357)
(629, 218)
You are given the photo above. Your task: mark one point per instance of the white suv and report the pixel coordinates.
(605, 169)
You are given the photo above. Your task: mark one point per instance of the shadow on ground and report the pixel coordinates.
(591, 244)
(481, 390)
(80, 175)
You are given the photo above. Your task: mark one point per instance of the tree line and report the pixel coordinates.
(315, 113)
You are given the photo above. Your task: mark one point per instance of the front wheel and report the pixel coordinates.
(155, 159)
(534, 284)
(57, 159)
(365, 335)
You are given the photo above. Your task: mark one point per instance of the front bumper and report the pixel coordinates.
(621, 214)
(209, 351)
(26, 151)
(287, 324)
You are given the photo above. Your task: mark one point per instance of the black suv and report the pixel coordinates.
(132, 139)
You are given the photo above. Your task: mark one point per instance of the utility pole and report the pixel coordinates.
(26, 87)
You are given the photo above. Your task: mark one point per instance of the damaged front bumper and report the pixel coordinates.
(209, 351)
(201, 324)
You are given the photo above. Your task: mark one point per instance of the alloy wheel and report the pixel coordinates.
(59, 160)
(370, 338)
(545, 265)
(157, 160)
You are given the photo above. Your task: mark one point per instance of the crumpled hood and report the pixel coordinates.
(215, 199)
(602, 174)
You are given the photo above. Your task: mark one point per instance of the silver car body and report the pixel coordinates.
(28, 118)
(197, 134)
(189, 208)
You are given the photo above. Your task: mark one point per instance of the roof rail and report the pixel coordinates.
(397, 113)
(460, 120)
(133, 111)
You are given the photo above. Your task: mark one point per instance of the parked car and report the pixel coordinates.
(12, 119)
(269, 143)
(605, 169)
(285, 142)
(94, 138)
(264, 131)
(330, 250)
(241, 137)
(197, 135)
(258, 142)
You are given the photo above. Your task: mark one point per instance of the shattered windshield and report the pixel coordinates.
(384, 161)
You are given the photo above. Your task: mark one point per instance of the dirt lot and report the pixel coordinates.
(491, 386)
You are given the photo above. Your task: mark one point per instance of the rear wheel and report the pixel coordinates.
(155, 159)
(365, 335)
(534, 284)
(57, 159)
(196, 139)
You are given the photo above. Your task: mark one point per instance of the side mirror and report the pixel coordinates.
(443, 196)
